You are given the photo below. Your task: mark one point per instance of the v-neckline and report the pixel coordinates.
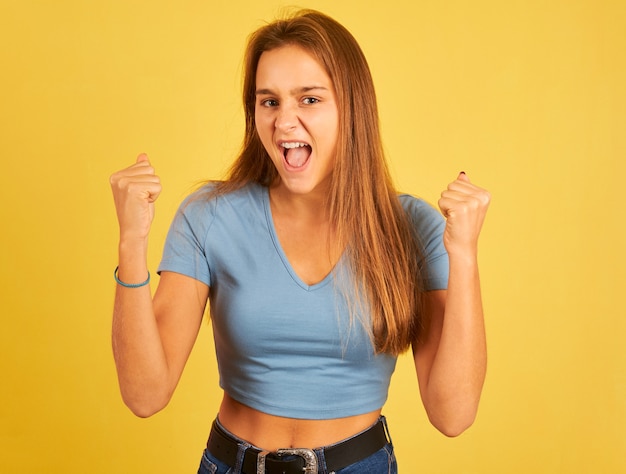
(283, 256)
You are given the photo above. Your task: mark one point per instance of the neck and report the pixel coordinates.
(310, 207)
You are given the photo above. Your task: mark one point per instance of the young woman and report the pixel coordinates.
(318, 274)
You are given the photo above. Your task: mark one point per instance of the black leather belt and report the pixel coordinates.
(297, 461)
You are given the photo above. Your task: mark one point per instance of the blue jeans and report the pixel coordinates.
(381, 462)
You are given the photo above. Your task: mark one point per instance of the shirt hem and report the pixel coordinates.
(306, 414)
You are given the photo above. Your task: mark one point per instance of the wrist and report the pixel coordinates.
(464, 258)
(133, 244)
(133, 259)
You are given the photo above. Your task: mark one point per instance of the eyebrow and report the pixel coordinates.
(299, 90)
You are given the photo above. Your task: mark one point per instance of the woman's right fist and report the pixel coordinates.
(134, 191)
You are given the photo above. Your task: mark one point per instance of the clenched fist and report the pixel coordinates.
(134, 191)
(464, 206)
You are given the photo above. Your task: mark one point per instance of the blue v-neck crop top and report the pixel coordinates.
(284, 347)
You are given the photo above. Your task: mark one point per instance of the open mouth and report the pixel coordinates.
(296, 154)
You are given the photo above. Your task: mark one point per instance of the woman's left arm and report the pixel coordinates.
(451, 354)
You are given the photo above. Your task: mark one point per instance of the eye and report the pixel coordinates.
(310, 100)
(269, 102)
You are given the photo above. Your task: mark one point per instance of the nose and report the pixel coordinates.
(286, 118)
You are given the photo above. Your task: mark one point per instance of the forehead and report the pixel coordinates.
(290, 66)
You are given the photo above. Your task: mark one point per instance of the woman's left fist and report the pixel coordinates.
(464, 205)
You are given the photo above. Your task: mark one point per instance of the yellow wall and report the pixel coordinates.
(527, 97)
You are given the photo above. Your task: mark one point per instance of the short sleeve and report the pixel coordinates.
(429, 225)
(184, 250)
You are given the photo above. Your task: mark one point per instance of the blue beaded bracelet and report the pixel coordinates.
(130, 285)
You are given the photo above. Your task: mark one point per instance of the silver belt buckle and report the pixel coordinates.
(310, 459)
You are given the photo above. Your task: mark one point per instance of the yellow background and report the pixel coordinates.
(528, 97)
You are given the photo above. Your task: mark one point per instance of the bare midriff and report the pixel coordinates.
(271, 432)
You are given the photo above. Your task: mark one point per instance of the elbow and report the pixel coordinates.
(452, 412)
(453, 428)
(145, 406)
(455, 421)
(144, 411)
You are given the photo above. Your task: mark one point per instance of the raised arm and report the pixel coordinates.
(451, 355)
(151, 338)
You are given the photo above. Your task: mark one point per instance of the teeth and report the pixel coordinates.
(294, 145)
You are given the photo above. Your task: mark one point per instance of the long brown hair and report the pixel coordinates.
(369, 220)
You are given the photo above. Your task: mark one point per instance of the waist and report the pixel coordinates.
(270, 432)
(236, 452)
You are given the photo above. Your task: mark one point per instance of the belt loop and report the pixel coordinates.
(321, 461)
(242, 447)
(384, 420)
(241, 452)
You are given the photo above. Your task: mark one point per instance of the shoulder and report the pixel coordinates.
(428, 225)
(427, 222)
(420, 211)
(214, 195)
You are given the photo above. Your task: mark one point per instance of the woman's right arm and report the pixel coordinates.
(152, 338)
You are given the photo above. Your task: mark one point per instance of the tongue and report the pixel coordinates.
(297, 157)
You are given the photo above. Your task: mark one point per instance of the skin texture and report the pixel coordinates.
(152, 338)
(296, 103)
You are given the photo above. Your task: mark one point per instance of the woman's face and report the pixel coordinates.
(297, 118)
